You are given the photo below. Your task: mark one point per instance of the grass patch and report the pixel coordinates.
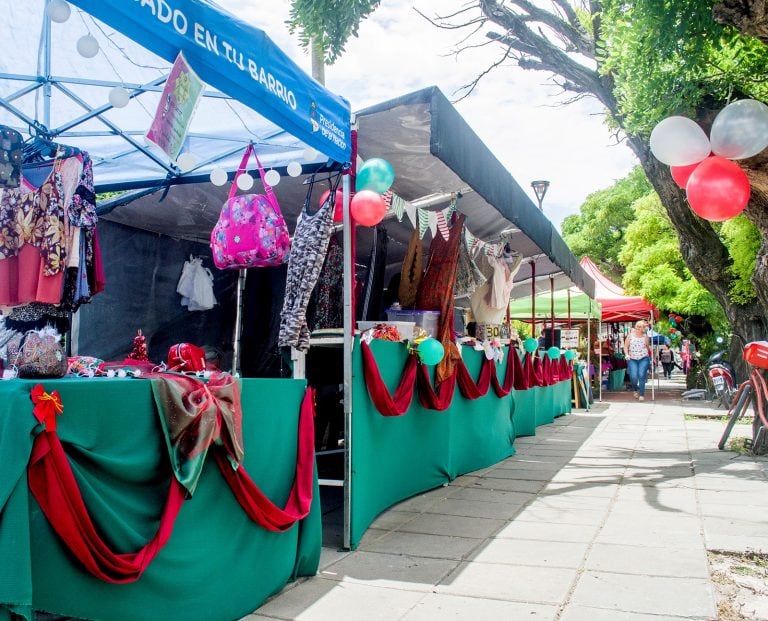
(742, 446)
(743, 420)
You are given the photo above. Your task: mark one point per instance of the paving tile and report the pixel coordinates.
(730, 497)
(587, 613)
(454, 525)
(531, 552)
(545, 585)
(321, 600)
(730, 542)
(546, 531)
(329, 556)
(442, 606)
(579, 489)
(392, 519)
(476, 508)
(649, 561)
(684, 597)
(561, 515)
(508, 485)
(390, 570)
(490, 495)
(422, 501)
(419, 544)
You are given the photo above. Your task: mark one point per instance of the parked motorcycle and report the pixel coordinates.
(715, 381)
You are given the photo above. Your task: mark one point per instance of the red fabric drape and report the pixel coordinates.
(469, 389)
(546, 371)
(510, 375)
(520, 375)
(255, 504)
(532, 377)
(557, 370)
(384, 402)
(55, 489)
(430, 398)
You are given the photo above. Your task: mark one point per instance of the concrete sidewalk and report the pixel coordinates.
(602, 516)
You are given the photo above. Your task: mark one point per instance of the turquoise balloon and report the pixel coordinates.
(553, 353)
(570, 355)
(530, 345)
(376, 174)
(430, 351)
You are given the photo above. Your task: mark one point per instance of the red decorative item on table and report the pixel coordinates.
(186, 357)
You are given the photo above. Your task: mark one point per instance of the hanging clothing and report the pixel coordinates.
(328, 297)
(412, 272)
(40, 232)
(310, 243)
(436, 292)
(468, 276)
(489, 301)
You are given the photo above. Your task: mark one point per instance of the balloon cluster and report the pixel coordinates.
(716, 187)
(553, 353)
(675, 320)
(570, 355)
(374, 178)
(530, 345)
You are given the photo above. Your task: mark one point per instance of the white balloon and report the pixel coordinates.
(740, 130)
(294, 169)
(119, 97)
(87, 46)
(679, 141)
(310, 154)
(245, 182)
(218, 176)
(272, 177)
(186, 161)
(58, 11)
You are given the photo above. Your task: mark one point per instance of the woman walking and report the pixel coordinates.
(637, 348)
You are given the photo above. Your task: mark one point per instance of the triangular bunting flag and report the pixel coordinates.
(470, 239)
(442, 225)
(448, 211)
(432, 223)
(387, 196)
(423, 222)
(398, 207)
(411, 211)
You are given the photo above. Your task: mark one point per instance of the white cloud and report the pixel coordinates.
(515, 112)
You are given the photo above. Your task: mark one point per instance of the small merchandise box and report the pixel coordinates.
(425, 319)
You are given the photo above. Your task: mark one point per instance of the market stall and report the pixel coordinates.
(133, 538)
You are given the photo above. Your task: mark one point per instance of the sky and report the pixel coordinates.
(515, 112)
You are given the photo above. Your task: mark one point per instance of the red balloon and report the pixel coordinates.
(672, 330)
(681, 174)
(368, 207)
(338, 208)
(679, 319)
(718, 189)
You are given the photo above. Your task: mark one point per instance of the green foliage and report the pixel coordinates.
(655, 268)
(667, 57)
(328, 23)
(742, 238)
(523, 329)
(598, 230)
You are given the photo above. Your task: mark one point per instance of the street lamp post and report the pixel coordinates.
(540, 187)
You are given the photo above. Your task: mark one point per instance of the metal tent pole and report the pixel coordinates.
(533, 299)
(238, 322)
(348, 344)
(46, 67)
(653, 361)
(552, 310)
(600, 357)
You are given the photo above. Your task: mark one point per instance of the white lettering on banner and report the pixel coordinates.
(167, 14)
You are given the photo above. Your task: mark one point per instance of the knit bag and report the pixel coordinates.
(251, 231)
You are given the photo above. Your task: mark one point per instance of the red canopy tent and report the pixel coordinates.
(616, 305)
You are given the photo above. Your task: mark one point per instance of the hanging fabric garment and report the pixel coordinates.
(413, 270)
(436, 293)
(489, 301)
(328, 297)
(373, 288)
(468, 276)
(39, 227)
(310, 243)
(11, 153)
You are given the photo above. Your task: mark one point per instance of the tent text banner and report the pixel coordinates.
(237, 59)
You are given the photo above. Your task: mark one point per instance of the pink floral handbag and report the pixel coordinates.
(251, 231)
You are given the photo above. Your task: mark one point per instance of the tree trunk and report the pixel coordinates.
(748, 16)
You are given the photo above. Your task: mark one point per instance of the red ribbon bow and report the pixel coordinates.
(47, 406)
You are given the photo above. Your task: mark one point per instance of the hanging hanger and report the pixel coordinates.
(40, 149)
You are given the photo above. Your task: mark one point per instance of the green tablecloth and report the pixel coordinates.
(525, 412)
(563, 397)
(216, 565)
(394, 458)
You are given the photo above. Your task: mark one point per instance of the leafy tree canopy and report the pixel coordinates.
(669, 57)
(598, 230)
(742, 238)
(328, 23)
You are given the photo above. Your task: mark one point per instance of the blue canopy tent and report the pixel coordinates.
(256, 94)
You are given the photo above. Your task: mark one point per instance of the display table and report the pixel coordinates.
(396, 457)
(616, 379)
(217, 564)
